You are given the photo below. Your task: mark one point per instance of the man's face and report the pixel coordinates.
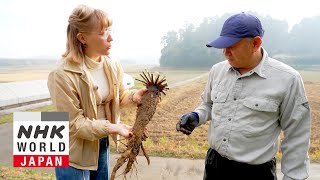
(240, 54)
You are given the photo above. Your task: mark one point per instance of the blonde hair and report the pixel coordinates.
(83, 19)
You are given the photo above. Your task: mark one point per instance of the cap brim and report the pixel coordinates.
(223, 42)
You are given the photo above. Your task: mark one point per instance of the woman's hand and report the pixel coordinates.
(138, 95)
(121, 129)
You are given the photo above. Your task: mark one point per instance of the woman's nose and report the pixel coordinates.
(110, 38)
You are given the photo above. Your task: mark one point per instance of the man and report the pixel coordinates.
(249, 99)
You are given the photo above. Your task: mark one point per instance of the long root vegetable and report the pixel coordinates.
(145, 111)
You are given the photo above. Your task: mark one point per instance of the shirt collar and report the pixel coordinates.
(260, 69)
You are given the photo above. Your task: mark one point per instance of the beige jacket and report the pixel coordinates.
(72, 91)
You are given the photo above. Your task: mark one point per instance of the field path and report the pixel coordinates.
(176, 84)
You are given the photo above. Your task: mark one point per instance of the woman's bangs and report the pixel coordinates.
(103, 20)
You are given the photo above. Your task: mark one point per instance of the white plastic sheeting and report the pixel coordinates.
(21, 92)
(128, 81)
(14, 93)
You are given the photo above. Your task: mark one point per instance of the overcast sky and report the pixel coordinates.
(37, 28)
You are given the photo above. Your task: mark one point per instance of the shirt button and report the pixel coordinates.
(257, 105)
(224, 139)
(235, 99)
(229, 119)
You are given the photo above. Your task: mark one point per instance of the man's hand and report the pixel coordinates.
(187, 123)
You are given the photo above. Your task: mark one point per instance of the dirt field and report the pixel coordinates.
(179, 101)
(164, 140)
(313, 90)
(23, 75)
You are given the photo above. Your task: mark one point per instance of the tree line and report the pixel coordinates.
(186, 48)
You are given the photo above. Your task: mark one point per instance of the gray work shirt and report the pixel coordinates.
(248, 111)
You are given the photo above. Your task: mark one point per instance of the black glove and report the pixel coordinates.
(187, 123)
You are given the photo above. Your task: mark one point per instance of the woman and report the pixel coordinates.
(88, 85)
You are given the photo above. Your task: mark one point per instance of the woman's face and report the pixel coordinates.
(98, 42)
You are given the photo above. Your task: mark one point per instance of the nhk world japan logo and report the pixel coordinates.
(40, 139)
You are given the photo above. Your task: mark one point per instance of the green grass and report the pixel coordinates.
(9, 117)
(6, 118)
(23, 173)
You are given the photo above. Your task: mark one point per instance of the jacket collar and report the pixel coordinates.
(112, 65)
(78, 68)
(73, 67)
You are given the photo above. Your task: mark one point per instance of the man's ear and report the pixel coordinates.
(257, 41)
(81, 38)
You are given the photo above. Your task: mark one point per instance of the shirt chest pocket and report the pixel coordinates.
(259, 116)
(219, 94)
(218, 102)
(261, 104)
(219, 97)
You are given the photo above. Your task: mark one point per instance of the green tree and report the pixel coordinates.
(186, 48)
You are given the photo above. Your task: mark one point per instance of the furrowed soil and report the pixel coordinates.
(165, 141)
(313, 90)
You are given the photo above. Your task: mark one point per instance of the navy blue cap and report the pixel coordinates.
(235, 28)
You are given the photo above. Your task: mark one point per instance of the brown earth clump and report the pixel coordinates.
(145, 111)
